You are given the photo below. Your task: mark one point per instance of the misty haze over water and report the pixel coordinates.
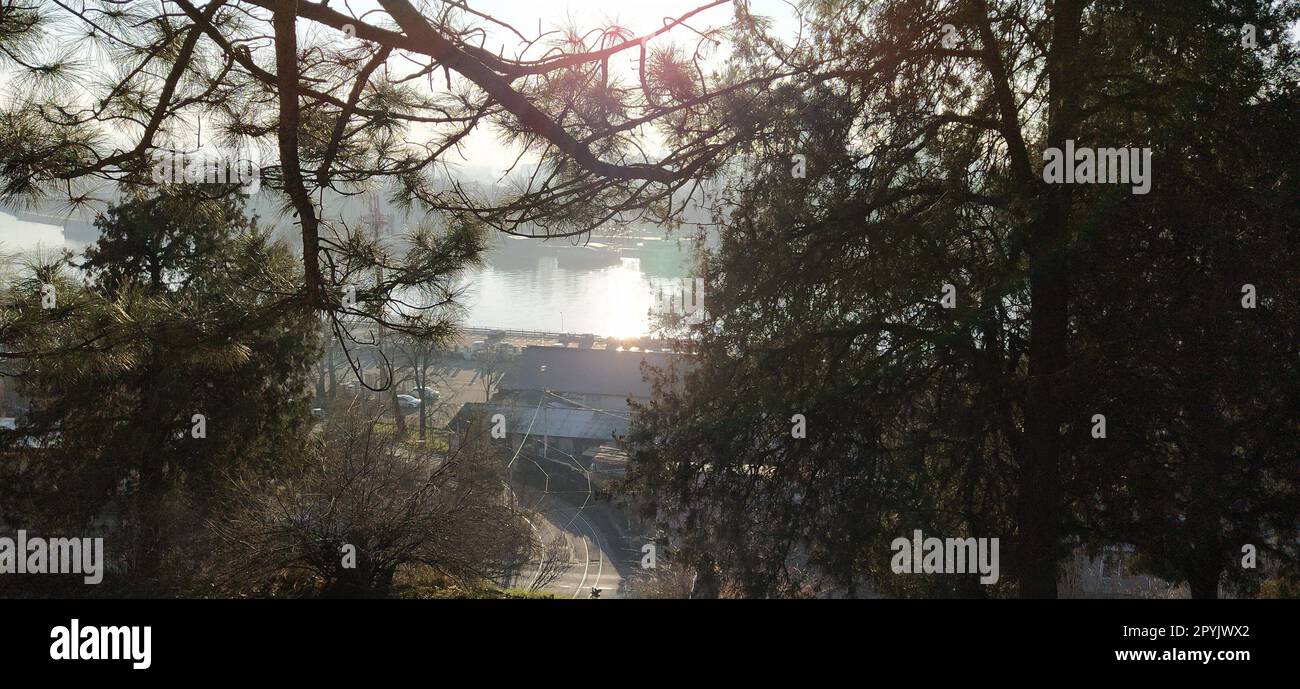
(604, 287)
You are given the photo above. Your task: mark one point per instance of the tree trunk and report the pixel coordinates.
(1049, 287)
(1040, 477)
(1204, 510)
(706, 584)
(284, 21)
(1205, 583)
(421, 382)
(148, 506)
(399, 419)
(334, 383)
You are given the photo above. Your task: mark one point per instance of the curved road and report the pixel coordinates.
(600, 554)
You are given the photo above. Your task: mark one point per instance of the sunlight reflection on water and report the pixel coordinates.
(600, 291)
(612, 301)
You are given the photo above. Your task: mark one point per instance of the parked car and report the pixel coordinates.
(408, 402)
(427, 394)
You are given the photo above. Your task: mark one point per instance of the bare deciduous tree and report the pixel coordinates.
(491, 369)
(369, 505)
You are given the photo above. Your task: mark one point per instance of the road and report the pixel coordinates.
(600, 553)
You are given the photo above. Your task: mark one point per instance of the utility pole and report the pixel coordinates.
(378, 222)
(545, 428)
